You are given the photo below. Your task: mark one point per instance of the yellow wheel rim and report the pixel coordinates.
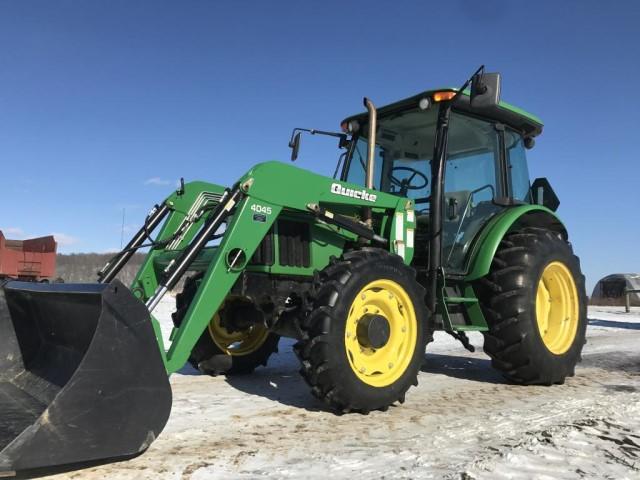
(237, 343)
(380, 367)
(557, 310)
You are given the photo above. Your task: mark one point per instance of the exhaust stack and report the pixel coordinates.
(371, 151)
(371, 145)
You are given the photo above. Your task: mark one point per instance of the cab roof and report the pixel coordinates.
(526, 123)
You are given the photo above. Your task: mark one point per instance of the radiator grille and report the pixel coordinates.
(265, 253)
(293, 243)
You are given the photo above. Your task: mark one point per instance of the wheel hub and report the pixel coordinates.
(557, 308)
(373, 331)
(235, 329)
(381, 333)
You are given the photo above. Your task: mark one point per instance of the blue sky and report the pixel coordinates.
(104, 105)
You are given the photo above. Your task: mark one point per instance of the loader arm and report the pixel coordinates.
(267, 190)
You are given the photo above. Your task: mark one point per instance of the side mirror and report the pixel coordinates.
(485, 90)
(294, 145)
(543, 194)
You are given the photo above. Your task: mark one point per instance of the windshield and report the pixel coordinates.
(404, 147)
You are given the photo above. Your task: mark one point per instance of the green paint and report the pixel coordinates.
(519, 111)
(157, 331)
(461, 300)
(295, 188)
(508, 106)
(195, 193)
(242, 233)
(276, 191)
(474, 311)
(200, 264)
(486, 245)
(469, 302)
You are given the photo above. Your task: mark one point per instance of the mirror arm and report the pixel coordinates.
(294, 141)
(293, 134)
(467, 83)
(313, 131)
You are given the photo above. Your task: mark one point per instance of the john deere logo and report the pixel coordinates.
(350, 192)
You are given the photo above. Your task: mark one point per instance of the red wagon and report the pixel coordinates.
(33, 259)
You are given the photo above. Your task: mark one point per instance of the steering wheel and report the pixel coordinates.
(405, 184)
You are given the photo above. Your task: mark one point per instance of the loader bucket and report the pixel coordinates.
(81, 375)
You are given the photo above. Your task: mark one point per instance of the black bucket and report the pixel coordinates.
(81, 375)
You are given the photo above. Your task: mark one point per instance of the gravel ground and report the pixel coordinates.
(463, 421)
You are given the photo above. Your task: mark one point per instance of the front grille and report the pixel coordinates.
(265, 253)
(293, 243)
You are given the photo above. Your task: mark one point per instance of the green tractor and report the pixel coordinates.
(429, 223)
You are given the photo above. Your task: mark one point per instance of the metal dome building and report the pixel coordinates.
(610, 289)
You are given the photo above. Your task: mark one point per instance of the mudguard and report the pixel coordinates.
(487, 242)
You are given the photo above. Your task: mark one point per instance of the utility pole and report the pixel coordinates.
(122, 230)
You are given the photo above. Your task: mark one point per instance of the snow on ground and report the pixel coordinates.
(463, 421)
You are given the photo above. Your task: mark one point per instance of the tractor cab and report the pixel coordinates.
(485, 168)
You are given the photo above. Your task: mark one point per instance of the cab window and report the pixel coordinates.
(358, 164)
(471, 184)
(517, 165)
(404, 147)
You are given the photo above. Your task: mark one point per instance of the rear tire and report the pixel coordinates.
(348, 369)
(207, 355)
(535, 304)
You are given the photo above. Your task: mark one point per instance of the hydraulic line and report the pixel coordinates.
(113, 267)
(177, 268)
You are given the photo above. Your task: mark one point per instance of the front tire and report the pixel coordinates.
(535, 304)
(219, 351)
(365, 335)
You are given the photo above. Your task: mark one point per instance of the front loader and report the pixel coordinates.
(430, 223)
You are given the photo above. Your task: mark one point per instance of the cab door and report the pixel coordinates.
(474, 179)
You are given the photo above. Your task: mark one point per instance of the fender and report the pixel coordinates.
(489, 239)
